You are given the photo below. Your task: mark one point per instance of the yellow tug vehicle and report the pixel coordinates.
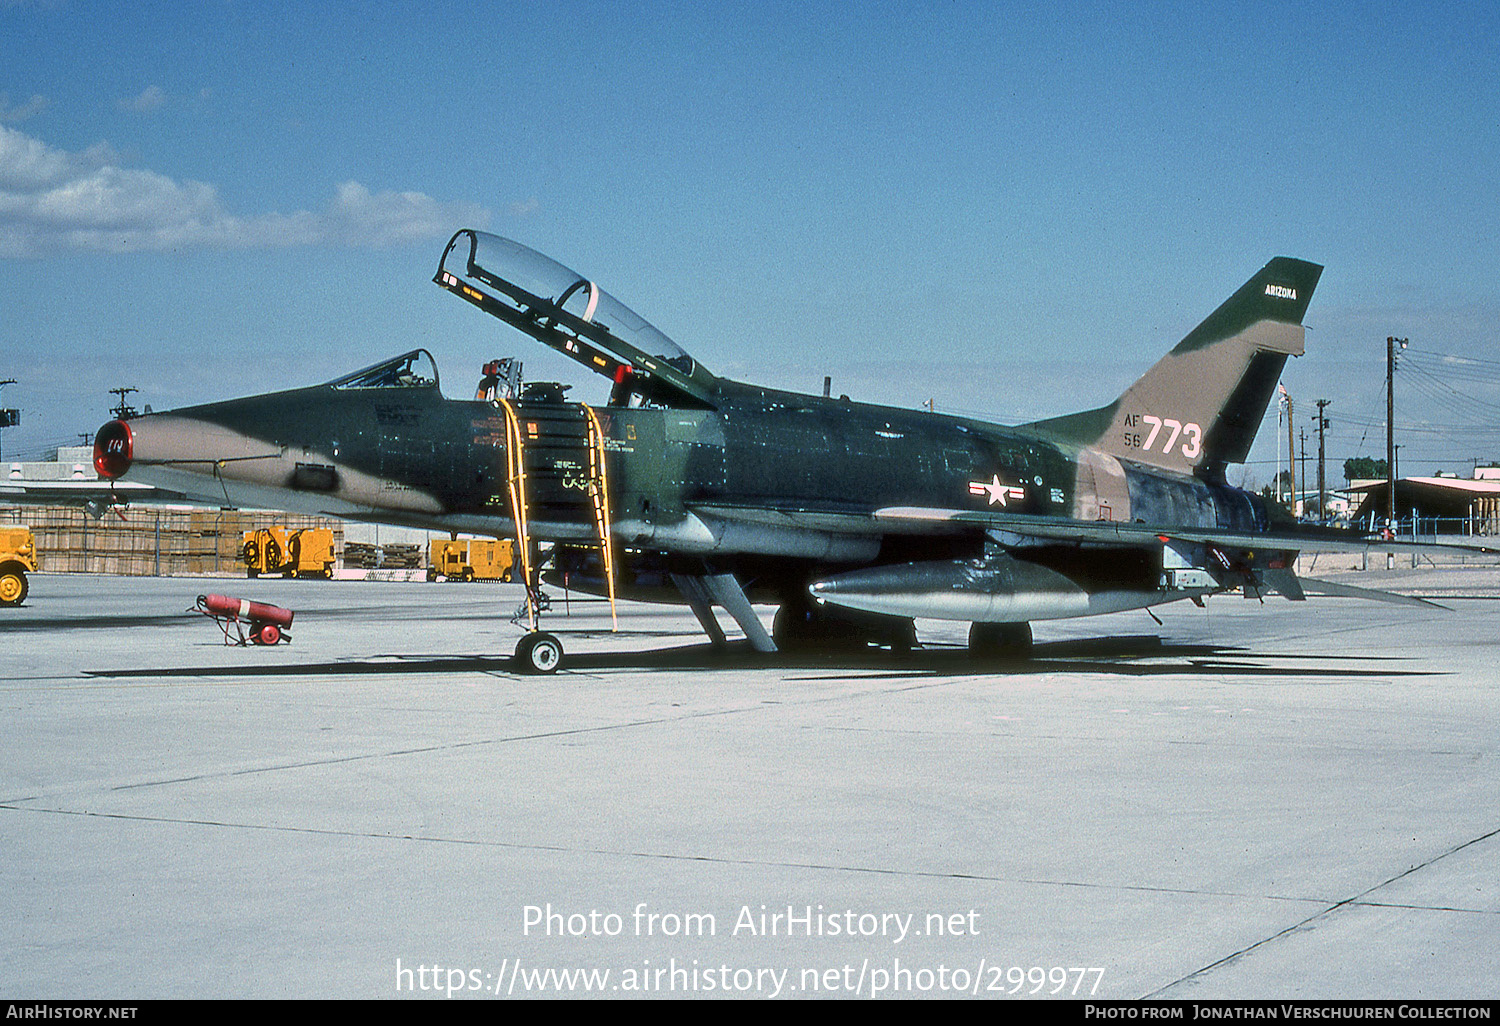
(17, 559)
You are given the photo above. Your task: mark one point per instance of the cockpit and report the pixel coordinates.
(570, 313)
(415, 369)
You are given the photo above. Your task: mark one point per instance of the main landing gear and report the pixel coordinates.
(1000, 640)
(801, 625)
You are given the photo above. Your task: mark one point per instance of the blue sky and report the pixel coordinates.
(1011, 209)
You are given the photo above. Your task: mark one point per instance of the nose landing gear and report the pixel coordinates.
(539, 652)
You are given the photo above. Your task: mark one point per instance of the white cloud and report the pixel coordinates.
(358, 217)
(21, 112)
(150, 98)
(54, 201)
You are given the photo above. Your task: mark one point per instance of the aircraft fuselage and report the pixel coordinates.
(765, 474)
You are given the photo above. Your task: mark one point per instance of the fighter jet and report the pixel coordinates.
(854, 519)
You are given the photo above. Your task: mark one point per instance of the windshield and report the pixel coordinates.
(497, 260)
(410, 370)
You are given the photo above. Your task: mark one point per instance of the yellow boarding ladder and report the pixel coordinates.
(521, 494)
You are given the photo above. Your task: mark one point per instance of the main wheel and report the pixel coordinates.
(539, 652)
(13, 586)
(1000, 640)
(267, 634)
(798, 625)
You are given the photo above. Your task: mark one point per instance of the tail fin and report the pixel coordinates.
(1200, 406)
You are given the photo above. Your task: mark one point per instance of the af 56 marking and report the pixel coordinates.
(1192, 434)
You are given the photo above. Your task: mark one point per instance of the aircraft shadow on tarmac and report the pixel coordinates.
(1122, 655)
(108, 622)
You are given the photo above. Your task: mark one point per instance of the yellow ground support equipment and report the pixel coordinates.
(312, 553)
(17, 558)
(272, 550)
(264, 551)
(478, 559)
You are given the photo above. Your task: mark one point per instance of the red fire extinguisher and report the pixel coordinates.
(268, 624)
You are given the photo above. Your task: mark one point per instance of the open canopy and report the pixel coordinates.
(570, 313)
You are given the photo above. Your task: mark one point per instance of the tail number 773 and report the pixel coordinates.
(1166, 432)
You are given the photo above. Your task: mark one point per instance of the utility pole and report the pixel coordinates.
(123, 411)
(1322, 481)
(1276, 485)
(1390, 420)
(1303, 433)
(1291, 457)
(8, 418)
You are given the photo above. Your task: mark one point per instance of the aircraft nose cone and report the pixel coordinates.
(114, 448)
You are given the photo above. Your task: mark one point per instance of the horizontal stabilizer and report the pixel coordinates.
(1334, 590)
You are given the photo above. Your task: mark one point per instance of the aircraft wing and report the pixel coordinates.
(1021, 529)
(80, 493)
(1260, 562)
(1105, 532)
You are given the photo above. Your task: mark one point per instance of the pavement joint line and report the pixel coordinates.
(1427, 908)
(481, 742)
(423, 750)
(671, 856)
(1257, 745)
(459, 745)
(1355, 901)
(429, 749)
(817, 866)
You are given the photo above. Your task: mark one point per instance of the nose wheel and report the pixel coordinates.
(539, 652)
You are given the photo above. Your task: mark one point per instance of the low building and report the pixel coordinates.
(1437, 505)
